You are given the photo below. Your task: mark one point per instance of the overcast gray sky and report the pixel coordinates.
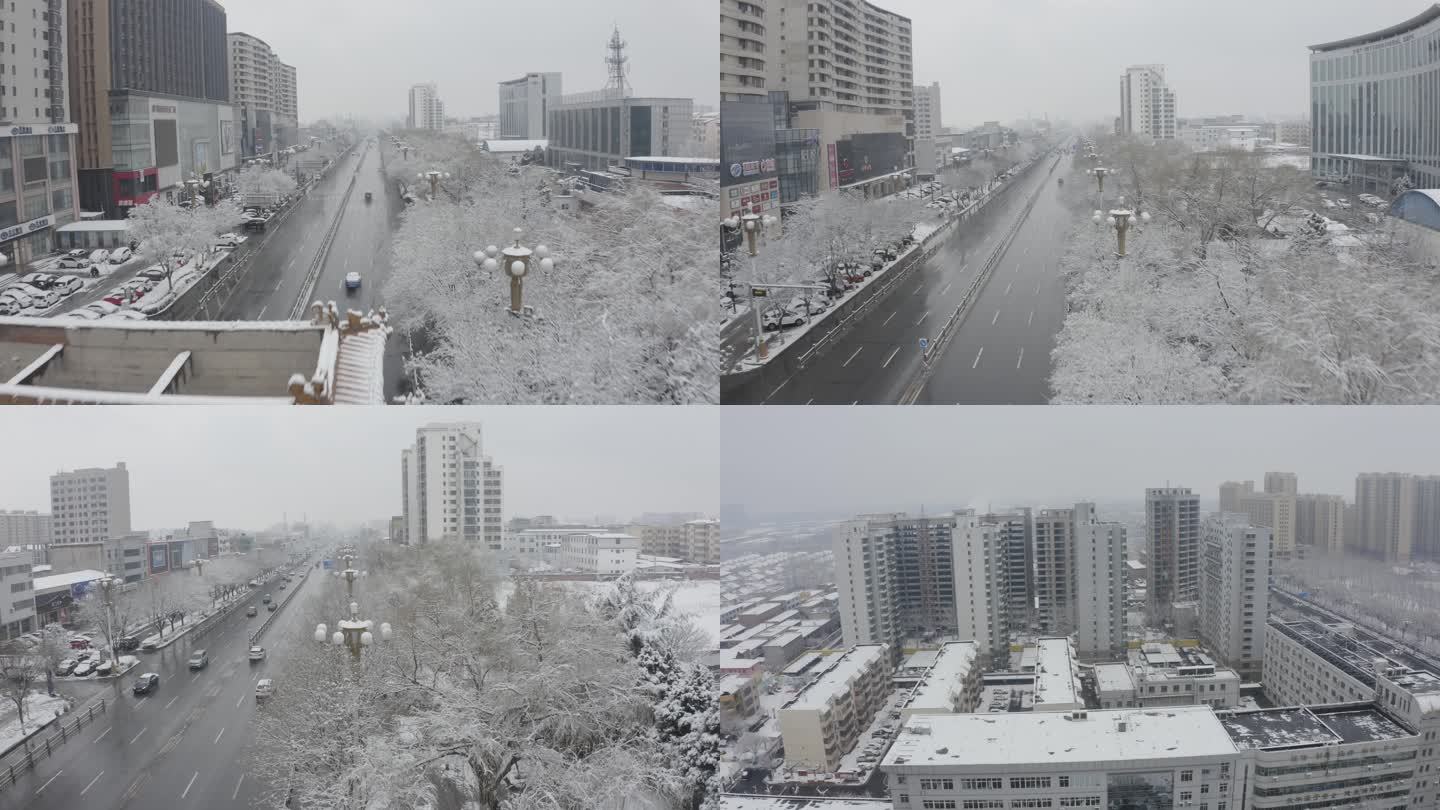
(847, 460)
(999, 59)
(244, 467)
(362, 56)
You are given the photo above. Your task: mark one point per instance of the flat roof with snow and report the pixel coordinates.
(1044, 738)
(950, 669)
(731, 801)
(1057, 681)
(835, 679)
(1303, 727)
(67, 579)
(1114, 678)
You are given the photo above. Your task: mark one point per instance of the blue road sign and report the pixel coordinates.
(924, 344)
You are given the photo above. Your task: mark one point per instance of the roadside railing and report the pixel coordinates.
(265, 625)
(26, 754)
(312, 276)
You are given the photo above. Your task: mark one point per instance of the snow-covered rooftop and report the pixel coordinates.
(1135, 565)
(497, 146)
(1017, 740)
(1279, 729)
(836, 678)
(95, 225)
(731, 801)
(1057, 683)
(1114, 678)
(677, 160)
(67, 579)
(945, 677)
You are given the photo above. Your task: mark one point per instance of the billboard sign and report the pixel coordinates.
(159, 558)
(865, 156)
(749, 176)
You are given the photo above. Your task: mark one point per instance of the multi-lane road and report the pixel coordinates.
(185, 744)
(1001, 351)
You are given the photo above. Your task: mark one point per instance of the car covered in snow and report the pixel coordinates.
(352, 280)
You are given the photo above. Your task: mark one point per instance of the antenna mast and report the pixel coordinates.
(617, 66)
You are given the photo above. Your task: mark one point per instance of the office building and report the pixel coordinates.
(149, 92)
(525, 105)
(17, 594)
(1275, 510)
(1099, 565)
(823, 721)
(1281, 483)
(1147, 105)
(695, 541)
(1163, 675)
(90, 505)
(24, 529)
(1320, 523)
(744, 65)
(1375, 106)
(1385, 515)
(427, 111)
(928, 122)
(451, 490)
(597, 130)
(1235, 592)
(1172, 544)
(587, 550)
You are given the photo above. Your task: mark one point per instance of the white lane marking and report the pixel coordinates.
(92, 782)
(1037, 289)
(241, 700)
(1022, 357)
(964, 266)
(852, 357)
(222, 728)
(1027, 251)
(856, 402)
(946, 290)
(237, 787)
(887, 320)
(137, 736)
(52, 779)
(923, 317)
(996, 318)
(142, 701)
(886, 364)
(262, 312)
(1031, 318)
(810, 400)
(1008, 286)
(103, 733)
(172, 700)
(188, 786)
(977, 357)
(772, 393)
(918, 288)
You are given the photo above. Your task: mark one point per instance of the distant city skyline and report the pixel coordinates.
(948, 458)
(373, 52)
(248, 467)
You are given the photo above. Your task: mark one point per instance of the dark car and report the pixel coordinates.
(128, 643)
(145, 684)
(67, 666)
(271, 607)
(251, 611)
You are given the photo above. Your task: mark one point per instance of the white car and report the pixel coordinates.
(102, 307)
(41, 299)
(100, 256)
(227, 240)
(352, 280)
(121, 255)
(68, 285)
(82, 314)
(77, 259)
(257, 653)
(126, 315)
(18, 296)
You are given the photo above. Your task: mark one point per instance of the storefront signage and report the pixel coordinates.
(47, 129)
(17, 231)
(162, 108)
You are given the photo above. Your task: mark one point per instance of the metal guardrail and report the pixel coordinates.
(937, 346)
(265, 625)
(312, 276)
(27, 754)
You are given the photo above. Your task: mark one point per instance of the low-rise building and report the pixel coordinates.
(1307, 662)
(739, 699)
(951, 683)
(55, 595)
(1161, 675)
(17, 605)
(823, 721)
(19, 528)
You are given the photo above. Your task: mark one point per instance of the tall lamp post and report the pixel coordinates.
(108, 585)
(1120, 219)
(751, 225)
(434, 176)
(1099, 173)
(517, 261)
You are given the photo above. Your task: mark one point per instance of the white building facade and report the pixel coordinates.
(823, 721)
(90, 505)
(524, 104)
(451, 490)
(24, 529)
(427, 111)
(1147, 106)
(743, 50)
(1099, 585)
(17, 594)
(1234, 591)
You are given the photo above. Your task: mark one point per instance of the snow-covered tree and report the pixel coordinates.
(263, 181)
(625, 313)
(17, 673)
(126, 610)
(171, 236)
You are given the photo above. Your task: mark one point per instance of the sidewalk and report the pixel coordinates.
(40, 710)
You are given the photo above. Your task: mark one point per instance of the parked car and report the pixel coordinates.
(83, 668)
(264, 688)
(82, 315)
(145, 684)
(77, 259)
(121, 255)
(67, 666)
(69, 285)
(128, 643)
(227, 240)
(102, 307)
(155, 273)
(100, 256)
(257, 653)
(105, 667)
(42, 281)
(1343, 203)
(9, 307)
(199, 659)
(41, 299)
(21, 300)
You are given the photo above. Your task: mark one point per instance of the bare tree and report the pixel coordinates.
(17, 673)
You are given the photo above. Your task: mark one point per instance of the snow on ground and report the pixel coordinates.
(698, 598)
(39, 707)
(735, 801)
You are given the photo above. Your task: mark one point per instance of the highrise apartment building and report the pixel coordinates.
(262, 88)
(1427, 517)
(1274, 508)
(427, 111)
(1172, 544)
(1147, 106)
(1054, 571)
(981, 609)
(927, 111)
(451, 490)
(24, 529)
(1385, 515)
(35, 82)
(150, 95)
(90, 505)
(525, 104)
(695, 541)
(743, 57)
(1099, 565)
(1235, 591)
(1320, 522)
(1016, 532)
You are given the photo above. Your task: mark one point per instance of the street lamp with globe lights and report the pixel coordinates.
(434, 176)
(110, 585)
(354, 633)
(1121, 219)
(517, 261)
(1099, 173)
